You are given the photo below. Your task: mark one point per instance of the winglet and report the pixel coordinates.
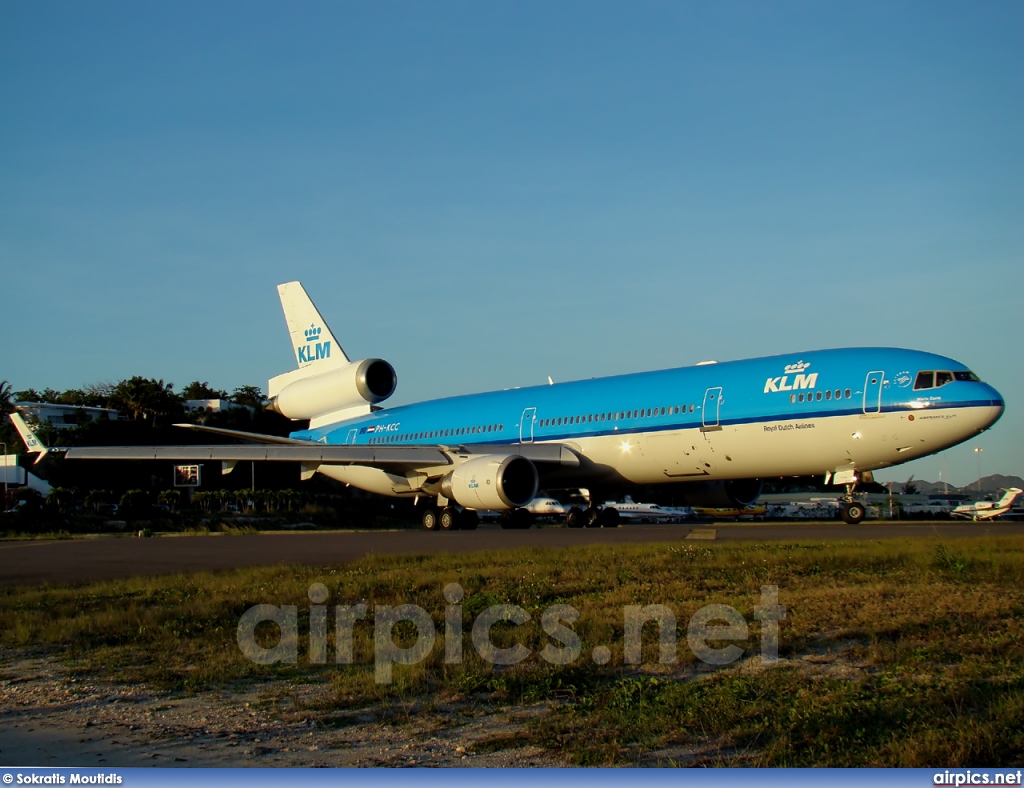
(32, 443)
(312, 340)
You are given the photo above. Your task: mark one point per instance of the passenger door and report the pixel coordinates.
(526, 425)
(711, 407)
(873, 391)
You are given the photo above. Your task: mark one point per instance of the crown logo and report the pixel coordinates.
(799, 366)
(312, 333)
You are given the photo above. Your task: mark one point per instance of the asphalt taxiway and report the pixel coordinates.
(75, 561)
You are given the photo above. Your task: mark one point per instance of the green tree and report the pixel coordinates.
(62, 499)
(248, 395)
(7, 433)
(146, 399)
(6, 398)
(96, 500)
(203, 390)
(170, 499)
(202, 499)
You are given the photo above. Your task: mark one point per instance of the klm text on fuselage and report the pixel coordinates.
(799, 382)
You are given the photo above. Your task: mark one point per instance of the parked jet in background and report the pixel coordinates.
(987, 510)
(718, 428)
(545, 507)
(649, 512)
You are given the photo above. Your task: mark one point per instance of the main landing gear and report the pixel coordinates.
(593, 517)
(450, 518)
(515, 519)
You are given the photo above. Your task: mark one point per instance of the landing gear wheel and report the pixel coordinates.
(449, 519)
(610, 517)
(574, 517)
(521, 519)
(853, 512)
(592, 518)
(505, 519)
(469, 520)
(430, 520)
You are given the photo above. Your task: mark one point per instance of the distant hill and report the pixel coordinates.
(987, 485)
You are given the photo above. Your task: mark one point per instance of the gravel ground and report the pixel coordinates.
(49, 718)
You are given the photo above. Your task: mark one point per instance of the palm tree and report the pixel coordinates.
(170, 499)
(201, 500)
(7, 406)
(6, 402)
(61, 498)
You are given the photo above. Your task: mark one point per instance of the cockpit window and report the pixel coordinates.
(932, 380)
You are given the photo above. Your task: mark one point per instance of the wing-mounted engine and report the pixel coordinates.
(723, 495)
(492, 482)
(342, 392)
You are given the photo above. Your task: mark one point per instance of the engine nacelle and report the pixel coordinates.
(368, 381)
(492, 482)
(723, 495)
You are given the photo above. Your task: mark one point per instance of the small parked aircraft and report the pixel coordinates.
(987, 510)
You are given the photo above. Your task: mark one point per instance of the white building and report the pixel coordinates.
(214, 405)
(13, 476)
(63, 416)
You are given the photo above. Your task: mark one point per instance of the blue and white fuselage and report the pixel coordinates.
(718, 428)
(827, 412)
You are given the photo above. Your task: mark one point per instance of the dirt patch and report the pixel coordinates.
(50, 718)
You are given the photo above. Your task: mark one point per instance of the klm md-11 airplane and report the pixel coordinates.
(720, 428)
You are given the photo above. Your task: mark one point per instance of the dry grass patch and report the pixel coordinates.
(902, 652)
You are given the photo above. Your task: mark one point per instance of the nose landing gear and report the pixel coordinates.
(853, 511)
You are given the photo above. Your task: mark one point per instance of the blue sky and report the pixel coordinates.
(486, 194)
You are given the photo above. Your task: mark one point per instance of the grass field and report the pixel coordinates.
(895, 653)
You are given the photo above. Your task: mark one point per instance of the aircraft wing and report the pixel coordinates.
(325, 454)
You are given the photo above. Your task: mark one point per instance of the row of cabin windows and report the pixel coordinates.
(933, 379)
(438, 434)
(819, 396)
(924, 380)
(618, 415)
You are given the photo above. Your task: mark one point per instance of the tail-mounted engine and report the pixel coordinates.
(299, 395)
(492, 482)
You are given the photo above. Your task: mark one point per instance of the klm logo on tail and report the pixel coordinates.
(800, 380)
(313, 350)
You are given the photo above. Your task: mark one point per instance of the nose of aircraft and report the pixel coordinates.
(992, 406)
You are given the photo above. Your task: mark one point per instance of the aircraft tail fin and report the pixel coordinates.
(32, 443)
(1008, 497)
(315, 347)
